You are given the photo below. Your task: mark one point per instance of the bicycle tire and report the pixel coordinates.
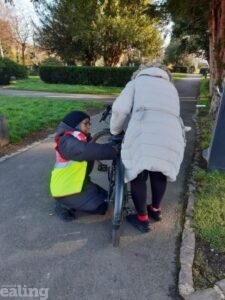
(116, 237)
(120, 189)
(120, 198)
(104, 137)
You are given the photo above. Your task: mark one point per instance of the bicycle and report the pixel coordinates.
(118, 192)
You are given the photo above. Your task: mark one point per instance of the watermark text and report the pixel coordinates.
(23, 292)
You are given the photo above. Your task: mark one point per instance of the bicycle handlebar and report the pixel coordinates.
(106, 113)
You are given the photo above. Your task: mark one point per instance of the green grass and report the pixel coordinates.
(34, 83)
(210, 208)
(204, 97)
(209, 215)
(205, 119)
(177, 76)
(206, 123)
(28, 115)
(210, 196)
(204, 88)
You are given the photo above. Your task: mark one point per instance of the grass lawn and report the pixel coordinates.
(28, 115)
(34, 83)
(209, 263)
(25, 116)
(177, 76)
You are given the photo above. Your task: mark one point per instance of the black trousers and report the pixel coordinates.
(91, 197)
(158, 183)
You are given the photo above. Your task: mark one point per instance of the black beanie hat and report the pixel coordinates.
(74, 118)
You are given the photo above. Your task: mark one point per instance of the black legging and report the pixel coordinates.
(139, 190)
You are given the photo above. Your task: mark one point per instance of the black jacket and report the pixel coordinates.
(71, 148)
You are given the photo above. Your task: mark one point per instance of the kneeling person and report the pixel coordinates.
(70, 183)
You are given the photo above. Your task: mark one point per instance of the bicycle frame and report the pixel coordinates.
(119, 193)
(116, 184)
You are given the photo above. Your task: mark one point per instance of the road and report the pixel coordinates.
(76, 260)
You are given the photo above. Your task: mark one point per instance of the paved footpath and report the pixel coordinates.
(54, 96)
(76, 260)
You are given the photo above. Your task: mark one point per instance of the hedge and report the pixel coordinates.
(105, 76)
(9, 68)
(4, 74)
(180, 69)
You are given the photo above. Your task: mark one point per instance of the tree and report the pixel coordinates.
(124, 27)
(86, 30)
(67, 30)
(6, 39)
(175, 55)
(20, 27)
(206, 19)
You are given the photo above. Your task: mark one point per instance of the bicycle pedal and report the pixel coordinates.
(102, 168)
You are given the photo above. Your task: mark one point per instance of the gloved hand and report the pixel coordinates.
(117, 147)
(118, 138)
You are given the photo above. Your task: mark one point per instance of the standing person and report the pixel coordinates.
(154, 141)
(70, 182)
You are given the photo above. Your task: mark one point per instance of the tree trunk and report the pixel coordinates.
(4, 136)
(1, 50)
(23, 48)
(217, 50)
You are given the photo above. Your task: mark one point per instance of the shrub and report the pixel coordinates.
(14, 69)
(4, 73)
(180, 69)
(105, 76)
(51, 61)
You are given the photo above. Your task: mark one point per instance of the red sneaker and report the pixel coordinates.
(142, 226)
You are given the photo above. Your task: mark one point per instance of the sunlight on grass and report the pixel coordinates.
(210, 208)
(34, 83)
(25, 115)
(177, 76)
(210, 195)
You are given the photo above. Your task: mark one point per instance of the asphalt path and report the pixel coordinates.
(55, 96)
(76, 260)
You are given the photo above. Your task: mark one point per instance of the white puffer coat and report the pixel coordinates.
(155, 136)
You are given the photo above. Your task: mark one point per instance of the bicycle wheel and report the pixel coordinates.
(106, 165)
(102, 137)
(119, 203)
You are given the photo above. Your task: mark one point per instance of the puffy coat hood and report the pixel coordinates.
(154, 72)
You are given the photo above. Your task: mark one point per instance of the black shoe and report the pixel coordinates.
(65, 214)
(155, 215)
(142, 226)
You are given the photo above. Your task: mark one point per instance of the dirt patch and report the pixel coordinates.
(209, 265)
(31, 138)
(36, 136)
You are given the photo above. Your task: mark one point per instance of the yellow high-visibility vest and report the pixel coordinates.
(68, 176)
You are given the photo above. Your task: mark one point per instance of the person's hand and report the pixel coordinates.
(118, 138)
(117, 148)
